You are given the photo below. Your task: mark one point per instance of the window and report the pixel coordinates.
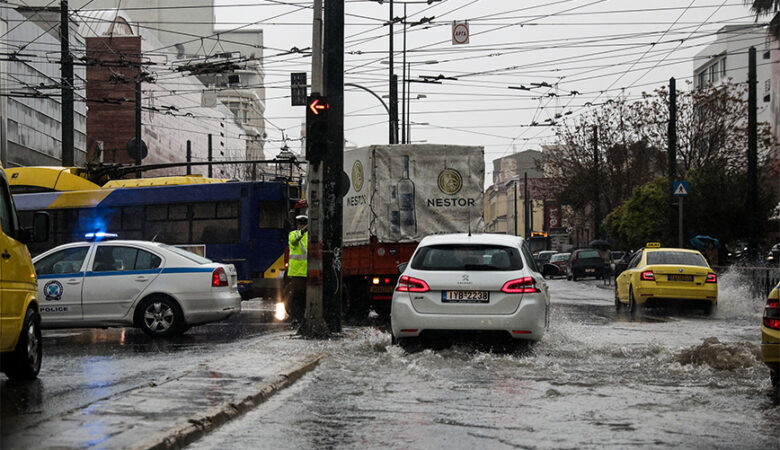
(270, 214)
(702, 78)
(722, 63)
(713, 73)
(676, 258)
(8, 219)
(635, 260)
(68, 260)
(110, 258)
(189, 255)
(459, 257)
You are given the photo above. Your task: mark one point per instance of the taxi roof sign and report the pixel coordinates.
(653, 245)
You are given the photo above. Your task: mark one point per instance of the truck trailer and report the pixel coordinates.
(399, 194)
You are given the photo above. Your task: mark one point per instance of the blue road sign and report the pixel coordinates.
(681, 189)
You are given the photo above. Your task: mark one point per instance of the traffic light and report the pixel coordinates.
(316, 128)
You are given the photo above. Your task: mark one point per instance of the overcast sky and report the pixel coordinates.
(588, 50)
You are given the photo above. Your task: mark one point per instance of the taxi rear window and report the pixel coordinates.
(675, 258)
(459, 257)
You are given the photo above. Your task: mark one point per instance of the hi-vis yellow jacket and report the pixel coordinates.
(298, 242)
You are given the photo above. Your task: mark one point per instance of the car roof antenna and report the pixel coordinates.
(469, 222)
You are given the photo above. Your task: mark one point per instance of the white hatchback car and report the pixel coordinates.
(460, 282)
(159, 288)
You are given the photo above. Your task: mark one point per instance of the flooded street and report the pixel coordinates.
(597, 379)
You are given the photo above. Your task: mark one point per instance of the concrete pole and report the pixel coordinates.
(313, 324)
(752, 157)
(66, 86)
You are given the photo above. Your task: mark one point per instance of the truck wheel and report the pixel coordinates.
(25, 361)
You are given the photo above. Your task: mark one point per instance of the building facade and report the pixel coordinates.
(30, 107)
(727, 58)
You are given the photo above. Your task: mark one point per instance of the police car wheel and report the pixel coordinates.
(25, 361)
(161, 317)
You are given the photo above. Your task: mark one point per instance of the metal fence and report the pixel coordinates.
(761, 279)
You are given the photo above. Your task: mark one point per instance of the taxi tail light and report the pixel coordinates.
(711, 278)
(219, 277)
(525, 285)
(648, 275)
(411, 284)
(772, 314)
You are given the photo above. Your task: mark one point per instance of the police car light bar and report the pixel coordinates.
(99, 236)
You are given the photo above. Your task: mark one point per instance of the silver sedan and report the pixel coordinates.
(463, 282)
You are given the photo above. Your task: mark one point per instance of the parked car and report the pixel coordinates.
(585, 262)
(543, 257)
(773, 258)
(460, 282)
(161, 289)
(657, 274)
(770, 336)
(561, 261)
(21, 352)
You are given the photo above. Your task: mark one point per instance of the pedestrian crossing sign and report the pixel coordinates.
(680, 189)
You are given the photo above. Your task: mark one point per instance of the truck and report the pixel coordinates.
(397, 195)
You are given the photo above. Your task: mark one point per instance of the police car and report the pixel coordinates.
(159, 288)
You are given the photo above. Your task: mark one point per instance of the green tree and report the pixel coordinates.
(641, 218)
(764, 8)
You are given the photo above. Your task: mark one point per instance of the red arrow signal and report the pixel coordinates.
(316, 107)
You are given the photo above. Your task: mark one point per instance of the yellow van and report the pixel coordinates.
(20, 320)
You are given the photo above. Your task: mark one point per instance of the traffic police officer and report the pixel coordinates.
(298, 242)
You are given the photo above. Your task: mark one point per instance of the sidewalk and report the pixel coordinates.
(173, 412)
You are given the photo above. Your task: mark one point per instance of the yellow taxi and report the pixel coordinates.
(656, 274)
(770, 336)
(20, 319)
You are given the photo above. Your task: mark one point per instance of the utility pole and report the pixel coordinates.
(404, 113)
(210, 155)
(313, 324)
(526, 230)
(189, 157)
(516, 182)
(393, 85)
(596, 205)
(138, 143)
(672, 154)
(66, 86)
(752, 157)
(333, 164)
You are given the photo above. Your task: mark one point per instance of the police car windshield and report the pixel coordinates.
(189, 255)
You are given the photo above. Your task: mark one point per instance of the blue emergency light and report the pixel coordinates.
(100, 236)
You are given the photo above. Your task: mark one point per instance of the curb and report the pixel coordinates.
(199, 426)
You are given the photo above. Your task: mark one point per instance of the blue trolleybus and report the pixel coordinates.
(241, 223)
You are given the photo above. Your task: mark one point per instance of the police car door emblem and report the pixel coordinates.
(53, 290)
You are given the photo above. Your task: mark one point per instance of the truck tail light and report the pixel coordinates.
(219, 277)
(525, 285)
(772, 314)
(711, 278)
(410, 284)
(648, 275)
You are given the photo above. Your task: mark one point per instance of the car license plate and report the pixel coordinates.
(465, 296)
(677, 277)
(590, 270)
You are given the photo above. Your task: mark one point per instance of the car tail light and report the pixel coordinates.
(525, 285)
(648, 275)
(712, 278)
(772, 314)
(219, 277)
(410, 284)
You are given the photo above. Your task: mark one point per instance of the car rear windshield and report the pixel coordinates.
(189, 255)
(588, 254)
(458, 257)
(559, 257)
(676, 258)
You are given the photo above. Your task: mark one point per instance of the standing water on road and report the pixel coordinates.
(596, 380)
